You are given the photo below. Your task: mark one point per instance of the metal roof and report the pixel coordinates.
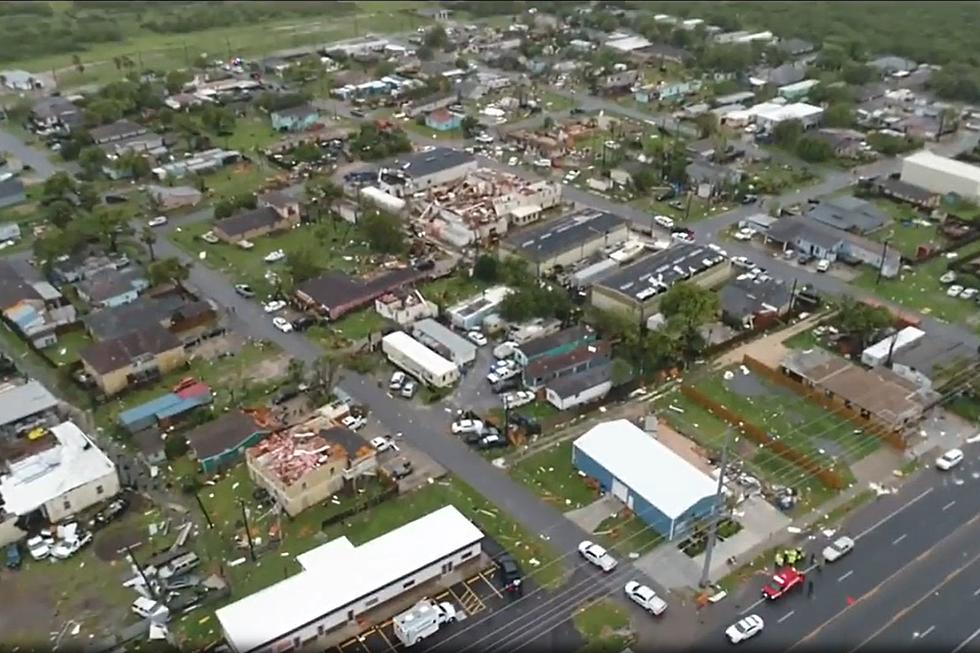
(656, 273)
(20, 401)
(563, 234)
(462, 349)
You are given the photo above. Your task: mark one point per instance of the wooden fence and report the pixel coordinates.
(869, 424)
(760, 436)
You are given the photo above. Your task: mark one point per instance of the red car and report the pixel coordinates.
(782, 582)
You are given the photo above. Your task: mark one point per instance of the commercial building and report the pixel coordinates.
(939, 174)
(662, 489)
(444, 341)
(24, 407)
(220, 442)
(420, 171)
(769, 114)
(849, 214)
(930, 361)
(636, 289)
(470, 313)
(566, 240)
(58, 474)
(340, 582)
(418, 360)
(586, 356)
(404, 307)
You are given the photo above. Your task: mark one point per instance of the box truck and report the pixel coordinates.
(423, 620)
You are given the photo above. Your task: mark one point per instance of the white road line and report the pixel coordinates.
(892, 514)
(966, 641)
(845, 575)
(977, 592)
(949, 505)
(786, 616)
(753, 606)
(927, 631)
(899, 538)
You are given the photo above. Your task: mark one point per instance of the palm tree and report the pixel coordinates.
(149, 238)
(170, 270)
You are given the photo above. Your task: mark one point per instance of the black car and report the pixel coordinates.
(285, 395)
(303, 322)
(510, 574)
(506, 385)
(576, 111)
(666, 195)
(403, 469)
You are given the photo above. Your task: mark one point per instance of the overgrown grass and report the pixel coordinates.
(605, 627)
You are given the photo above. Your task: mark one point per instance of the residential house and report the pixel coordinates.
(788, 73)
(295, 119)
(169, 198)
(25, 407)
(715, 150)
(56, 113)
(10, 231)
(618, 82)
(798, 90)
(470, 313)
(220, 442)
(753, 301)
(405, 306)
(432, 103)
(566, 240)
(334, 294)
(662, 53)
(200, 163)
(571, 391)
(931, 360)
(136, 357)
(254, 223)
(52, 478)
(187, 318)
(11, 191)
(890, 64)
(584, 356)
(849, 214)
(112, 287)
(795, 47)
(77, 267)
(555, 344)
(909, 193)
(443, 120)
(35, 309)
(444, 341)
(821, 241)
(711, 178)
(166, 411)
(126, 136)
(844, 143)
(20, 80)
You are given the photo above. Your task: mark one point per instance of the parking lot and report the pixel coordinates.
(475, 596)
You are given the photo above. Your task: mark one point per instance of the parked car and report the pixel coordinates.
(244, 290)
(408, 389)
(744, 234)
(401, 470)
(949, 460)
(381, 443)
(39, 547)
(664, 221)
(954, 290)
(518, 399)
(742, 262)
(282, 324)
(158, 221)
(744, 629)
(510, 574)
(823, 265)
(683, 237)
(646, 598)
(397, 379)
(969, 293)
(597, 555)
(274, 305)
(353, 422)
(493, 441)
(274, 256)
(838, 549)
(506, 385)
(115, 508)
(13, 556)
(303, 322)
(467, 426)
(150, 609)
(477, 338)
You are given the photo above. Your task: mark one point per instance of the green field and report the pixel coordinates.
(551, 475)
(605, 627)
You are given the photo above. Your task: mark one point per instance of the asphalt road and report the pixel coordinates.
(907, 543)
(36, 157)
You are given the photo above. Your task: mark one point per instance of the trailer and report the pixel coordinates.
(423, 620)
(418, 360)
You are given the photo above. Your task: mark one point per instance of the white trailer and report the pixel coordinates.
(418, 360)
(423, 620)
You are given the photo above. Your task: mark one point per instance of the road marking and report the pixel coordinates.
(899, 538)
(892, 514)
(927, 631)
(977, 592)
(845, 576)
(786, 616)
(385, 638)
(949, 505)
(966, 641)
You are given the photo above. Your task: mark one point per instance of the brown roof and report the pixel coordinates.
(336, 289)
(222, 434)
(116, 353)
(247, 221)
(13, 288)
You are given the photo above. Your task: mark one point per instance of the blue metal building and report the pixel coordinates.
(665, 491)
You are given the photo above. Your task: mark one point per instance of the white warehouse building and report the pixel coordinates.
(340, 581)
(427, 366)
(939, 174)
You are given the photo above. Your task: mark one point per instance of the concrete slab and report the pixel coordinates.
(670, 566)
(589, 517)
(940, 430)
(760, 520)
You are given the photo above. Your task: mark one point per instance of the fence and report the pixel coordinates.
(759, 435)
(817, 396)
(387, 493)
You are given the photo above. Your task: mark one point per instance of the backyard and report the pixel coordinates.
(920, 290)
(238, 180)
(773, 178)
(907, 230)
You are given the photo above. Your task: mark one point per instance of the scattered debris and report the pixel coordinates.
(236, 562)
(728, 375)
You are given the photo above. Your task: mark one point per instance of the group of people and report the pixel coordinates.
(789, 557)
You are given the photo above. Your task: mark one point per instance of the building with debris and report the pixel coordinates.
(404, 306)
(303, 466)
(485, 204)
(472, 311)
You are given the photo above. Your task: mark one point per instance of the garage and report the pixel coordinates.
(665, 491)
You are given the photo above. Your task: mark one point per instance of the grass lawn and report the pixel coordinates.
(352, 327)
(966, 407)
(920, 290)
(69, 346)
(429, 132)
(337, 243)
(552, 475)
(625, 533)
(239, 179)
(555, 103)
(774, 177)
(303, 533)
(252, 133)
(700, 208)
(908, 236)
(604, 625)
(451, 289)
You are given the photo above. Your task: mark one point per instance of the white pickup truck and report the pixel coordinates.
(423, 620)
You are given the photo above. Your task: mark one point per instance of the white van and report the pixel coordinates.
(179, 565)
(150, 609)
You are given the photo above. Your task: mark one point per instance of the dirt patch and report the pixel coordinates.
(269, 368)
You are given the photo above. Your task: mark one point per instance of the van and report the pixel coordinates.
(180, 565)
(150, 609)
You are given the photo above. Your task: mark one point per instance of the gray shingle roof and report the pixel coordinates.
(563, 234)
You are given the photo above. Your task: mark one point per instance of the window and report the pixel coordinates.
(67, 504)
(408, 583)
(466, 555)
(319, 629)
(371, 602)
(98, 489)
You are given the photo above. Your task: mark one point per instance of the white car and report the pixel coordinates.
(954, 290)
(274, 305)
(823, 265)
(467, 426)
(683, 237)
(381, 443)
(502, 374)
(646, 598)
(949, 460)
(838, 549)
(158, 221)
(477, 338)
(542, 163)
(275, 256)
(969, 293)
(518, 398)
(948, 278)
(742, 262)
(512, 161)
(282, 324)
(397, 379)
(744, 629)
(664, 221)
(38, 547)
(744, 234)
(407, 390)
(597, 555)
(353, 422)
(210, 238)
(572, 175)
(717, 249)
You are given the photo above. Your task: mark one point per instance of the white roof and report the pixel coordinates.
(419, 353)
(780, 112)
(649, 468)
(329, 583)
(944, 164)
(879, 350)
(24, 400)
(71, 463)
(801, 85)
(628, 44)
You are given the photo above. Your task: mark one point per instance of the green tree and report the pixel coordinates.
(176, 80)
(384, 232)
(149, 238)
(644, 179)
(169, 270)
(425, 53)
(787, 132)
(535, 301)
(175, 446)
(813, 150)
(59, 213)
(486, 268)
(688, 307)
(302, 264)
(88, 196)
(435, 37)
(91, 160)
(707, 124)
(470, 126)
(862, 321)
(218, 120)
(839, 115)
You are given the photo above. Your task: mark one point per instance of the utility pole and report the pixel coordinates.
(142, 573)
(881, 266)
(891, 348)
(200, 504)
(248, 532)
(719, 499)
(792, 296)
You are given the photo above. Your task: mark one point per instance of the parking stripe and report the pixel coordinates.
(385, 638)
(491, 585)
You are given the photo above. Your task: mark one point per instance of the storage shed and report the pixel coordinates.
(665, 491)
